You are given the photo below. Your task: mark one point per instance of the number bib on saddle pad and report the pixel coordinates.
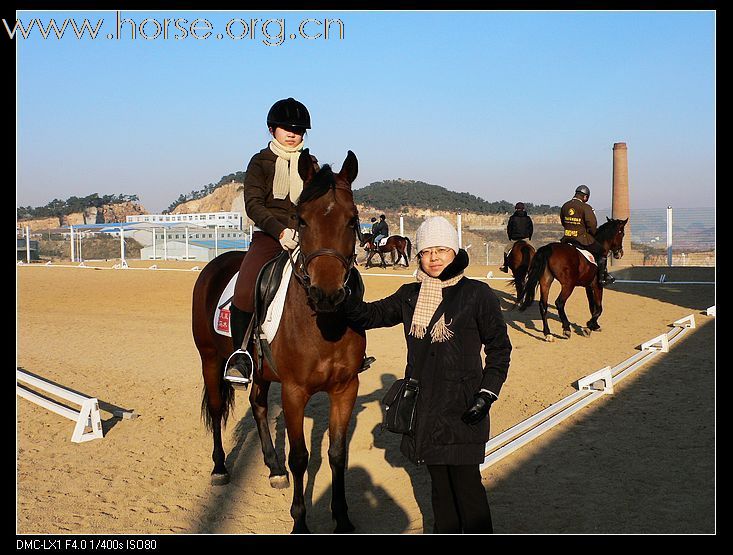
(274, 312)
(588, 255)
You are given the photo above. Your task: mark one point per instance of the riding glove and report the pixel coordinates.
(289, 239)
(480, 408)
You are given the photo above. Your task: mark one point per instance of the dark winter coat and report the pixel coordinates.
(579, 221)
(519, 226)
(271, 215)
(451, 372)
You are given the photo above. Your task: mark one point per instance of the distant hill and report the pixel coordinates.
(396, 194)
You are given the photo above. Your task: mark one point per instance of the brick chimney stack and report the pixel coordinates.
(620, 192)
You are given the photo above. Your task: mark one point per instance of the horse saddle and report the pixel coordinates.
(269, 297)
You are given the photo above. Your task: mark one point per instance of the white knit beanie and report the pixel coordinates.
(436, 231)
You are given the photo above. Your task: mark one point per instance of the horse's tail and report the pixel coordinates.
(409, 249)
(226, 398)
(536, 269)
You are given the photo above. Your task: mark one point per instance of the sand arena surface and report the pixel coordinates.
(641, 460)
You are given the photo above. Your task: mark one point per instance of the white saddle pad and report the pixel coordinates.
(383, 241)
(274, 311)
(588, 255)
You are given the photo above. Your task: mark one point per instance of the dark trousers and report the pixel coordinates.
(459, 500)
(262, 249)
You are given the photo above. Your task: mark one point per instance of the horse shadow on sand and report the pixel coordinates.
(371, 508)
(527, 322)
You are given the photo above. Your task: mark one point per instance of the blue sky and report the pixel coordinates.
(516, 106)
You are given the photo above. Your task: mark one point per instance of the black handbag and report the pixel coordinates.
(400, 402)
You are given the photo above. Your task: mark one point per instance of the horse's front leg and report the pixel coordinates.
(342, 405)
(294, 400)
(595, 299)
(258, 400)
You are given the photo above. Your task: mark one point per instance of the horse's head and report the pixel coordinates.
(611, 236)
(327, 222)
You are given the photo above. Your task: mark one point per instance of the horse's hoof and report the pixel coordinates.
(566, 333)
(220, 479)
(586, 332)
(280, 482)
(344, 528)
(549, 338)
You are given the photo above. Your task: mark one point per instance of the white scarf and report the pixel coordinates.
(287, 179)
(431, 294)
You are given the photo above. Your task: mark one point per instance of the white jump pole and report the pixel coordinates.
(669, 236)
(402, 226)
(216, 241)
(27, 245)
(71, 231)
(186, 230)
(460, 232)
(123, 263)
(165, 243)
(154, 252)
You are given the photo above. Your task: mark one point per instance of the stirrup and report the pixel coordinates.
(240, 371)
(368, 361)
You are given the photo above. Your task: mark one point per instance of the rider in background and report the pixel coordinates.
(272, 187)
(380, 230)
(579, 220)
(519, 228)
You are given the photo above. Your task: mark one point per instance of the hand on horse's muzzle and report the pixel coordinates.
(354, 291)
(480, 408)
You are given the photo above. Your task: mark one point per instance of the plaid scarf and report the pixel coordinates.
(431, 295)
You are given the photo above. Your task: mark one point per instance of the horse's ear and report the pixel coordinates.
(350, 168)
(305, 166)
(608, 219)
(625, 221)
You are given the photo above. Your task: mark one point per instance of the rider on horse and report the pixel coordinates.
(380, 230)
(579, 220)
(519, 228)
(272, 187)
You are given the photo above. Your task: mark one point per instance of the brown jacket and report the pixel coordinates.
(271, 215)
(579, 221)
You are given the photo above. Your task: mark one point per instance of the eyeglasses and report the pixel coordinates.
(439, 251)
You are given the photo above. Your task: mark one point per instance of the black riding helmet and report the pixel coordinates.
(582, 189)
(288, 112)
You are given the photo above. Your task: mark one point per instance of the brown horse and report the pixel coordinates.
(563, 262)
(395, 243)
(314, 349)
(518, 261)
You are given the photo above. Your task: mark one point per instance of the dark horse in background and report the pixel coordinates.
(563, 262)
(314, 349)
(395, 243)
(518, 261)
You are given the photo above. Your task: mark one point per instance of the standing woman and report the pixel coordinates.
(272, 187)
(448, 319)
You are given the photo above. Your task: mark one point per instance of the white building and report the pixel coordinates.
(206, 219)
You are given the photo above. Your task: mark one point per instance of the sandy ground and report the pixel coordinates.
(639, 461)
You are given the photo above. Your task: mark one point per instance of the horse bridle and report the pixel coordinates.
(300, 270)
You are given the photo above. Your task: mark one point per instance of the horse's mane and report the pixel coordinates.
(321, 183)
(606, 230)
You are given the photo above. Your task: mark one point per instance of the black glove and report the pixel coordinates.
(480, 408)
